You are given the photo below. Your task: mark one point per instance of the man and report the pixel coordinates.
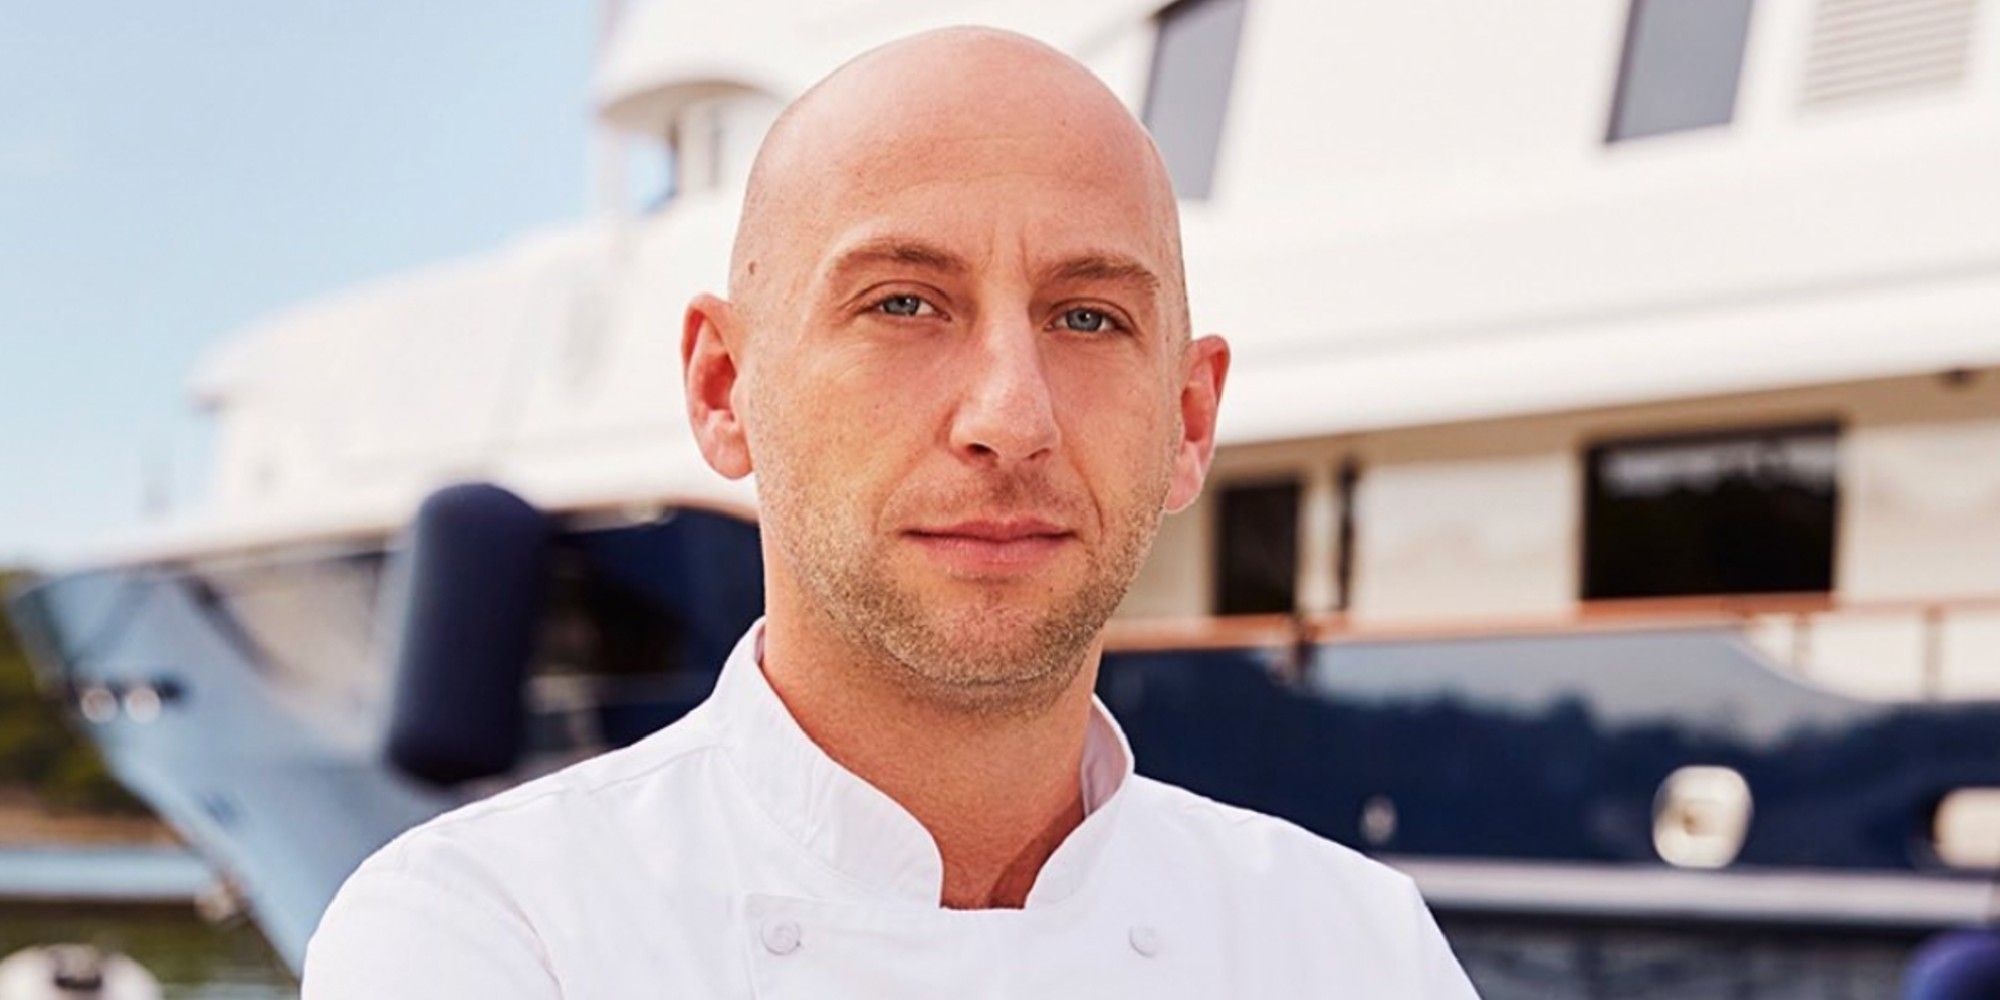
(956, 354)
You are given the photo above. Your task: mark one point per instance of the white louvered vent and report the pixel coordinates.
(1863, 49)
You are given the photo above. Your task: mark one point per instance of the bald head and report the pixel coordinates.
(952, 103)
(957, 360)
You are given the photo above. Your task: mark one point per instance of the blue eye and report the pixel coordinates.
(1086, 320)
(902, 305)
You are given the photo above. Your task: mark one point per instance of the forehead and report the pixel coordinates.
(1017, 195)
(1030, 181)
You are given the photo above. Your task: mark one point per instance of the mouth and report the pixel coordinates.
(993, 547)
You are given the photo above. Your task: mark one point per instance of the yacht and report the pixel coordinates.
(1604, 529)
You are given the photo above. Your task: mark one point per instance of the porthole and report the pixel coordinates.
(1965, 830)
(1700, 816)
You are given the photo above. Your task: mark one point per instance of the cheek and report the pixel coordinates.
(847, 424)
(1118, 427)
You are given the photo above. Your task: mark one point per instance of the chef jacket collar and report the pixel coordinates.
(859, 830)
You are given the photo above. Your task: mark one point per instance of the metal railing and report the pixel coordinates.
(1799, 633)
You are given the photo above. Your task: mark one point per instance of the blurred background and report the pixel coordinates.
(1605, 528)
(167, 176)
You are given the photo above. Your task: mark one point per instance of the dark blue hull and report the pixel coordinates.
(1489, 753)
(1553, 747)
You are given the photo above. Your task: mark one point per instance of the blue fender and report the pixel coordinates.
(1956, 965)
(473, 600)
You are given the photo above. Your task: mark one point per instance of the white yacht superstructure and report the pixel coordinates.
(1455, 250)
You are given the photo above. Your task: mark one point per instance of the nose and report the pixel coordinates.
(1006, 413)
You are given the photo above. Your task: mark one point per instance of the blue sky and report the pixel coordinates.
(170, 172)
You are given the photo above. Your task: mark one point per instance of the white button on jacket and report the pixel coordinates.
(727, 856)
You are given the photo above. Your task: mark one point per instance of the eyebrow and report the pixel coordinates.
(1107, 267)
(1095, 266)
(898, 250)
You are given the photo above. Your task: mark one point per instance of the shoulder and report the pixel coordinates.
(556, 812)
(1255, 849)
(505, 856)
(461, 905)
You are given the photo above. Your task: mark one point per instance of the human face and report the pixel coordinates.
(969, 395)
(964, 454)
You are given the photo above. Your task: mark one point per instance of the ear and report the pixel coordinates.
(709, 366)
(1203, 373)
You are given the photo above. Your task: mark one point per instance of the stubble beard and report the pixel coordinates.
(988, 656)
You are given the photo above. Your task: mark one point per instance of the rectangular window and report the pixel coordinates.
(1750, 512)
(1682, 62)
(1257, 548)
(1187, 96)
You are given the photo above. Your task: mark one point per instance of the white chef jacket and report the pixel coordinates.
(726, 855)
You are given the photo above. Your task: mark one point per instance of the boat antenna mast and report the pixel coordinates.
(608, 150)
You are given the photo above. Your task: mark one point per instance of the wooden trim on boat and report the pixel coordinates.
(1216, 632)
(1723, 611)
(1724, 605)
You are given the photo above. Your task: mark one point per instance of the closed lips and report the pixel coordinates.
(995, 531)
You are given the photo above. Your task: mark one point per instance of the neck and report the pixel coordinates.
(997, 792)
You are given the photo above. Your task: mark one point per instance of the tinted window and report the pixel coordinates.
(1742, 513)
(1257, 543)
(595, 623)
(1682, 61)
(1194, 60)
(310, 620)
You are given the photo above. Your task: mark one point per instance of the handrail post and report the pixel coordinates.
(1933, 662)
(1801, 641)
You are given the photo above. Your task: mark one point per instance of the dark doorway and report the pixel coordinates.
(1257, 556)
